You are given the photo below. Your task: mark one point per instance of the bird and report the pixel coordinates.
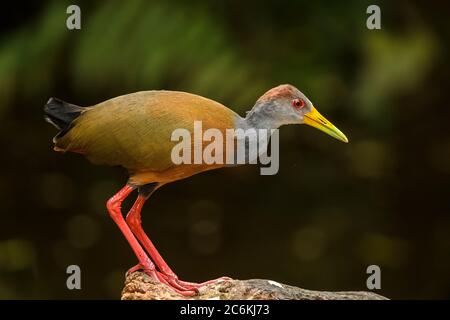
(134, 131)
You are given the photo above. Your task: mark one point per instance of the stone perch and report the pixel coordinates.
(139, 286)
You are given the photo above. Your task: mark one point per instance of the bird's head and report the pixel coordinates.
(286, 104)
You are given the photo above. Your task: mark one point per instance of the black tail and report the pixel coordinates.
(60, 113)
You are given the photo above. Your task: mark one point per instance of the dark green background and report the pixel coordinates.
(332, 210)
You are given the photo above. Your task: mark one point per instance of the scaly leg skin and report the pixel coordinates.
(114, 209)
(134, 222)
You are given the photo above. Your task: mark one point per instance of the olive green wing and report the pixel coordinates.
(134, 130)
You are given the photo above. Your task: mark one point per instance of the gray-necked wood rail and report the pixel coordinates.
(134, 131)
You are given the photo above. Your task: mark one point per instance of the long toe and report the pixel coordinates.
(193, 285)
(185, 291)
(175, 283)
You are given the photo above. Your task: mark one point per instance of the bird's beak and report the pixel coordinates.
(316, 120)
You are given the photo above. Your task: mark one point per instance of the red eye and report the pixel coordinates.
(298, 103)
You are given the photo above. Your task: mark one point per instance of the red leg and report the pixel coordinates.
(134, 221)
(114, 209)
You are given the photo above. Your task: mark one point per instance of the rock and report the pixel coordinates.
(139, 286)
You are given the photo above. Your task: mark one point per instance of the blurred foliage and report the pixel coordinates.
(331, 211)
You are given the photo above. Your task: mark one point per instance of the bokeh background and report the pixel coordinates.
(332, 210)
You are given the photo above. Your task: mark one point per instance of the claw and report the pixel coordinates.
(134, 269)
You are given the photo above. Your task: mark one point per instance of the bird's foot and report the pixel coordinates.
(184, 288)
(173, 279)
(186, 291)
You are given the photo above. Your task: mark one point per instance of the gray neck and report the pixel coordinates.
(258, 119)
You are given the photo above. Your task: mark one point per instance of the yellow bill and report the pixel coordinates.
(316, 120)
